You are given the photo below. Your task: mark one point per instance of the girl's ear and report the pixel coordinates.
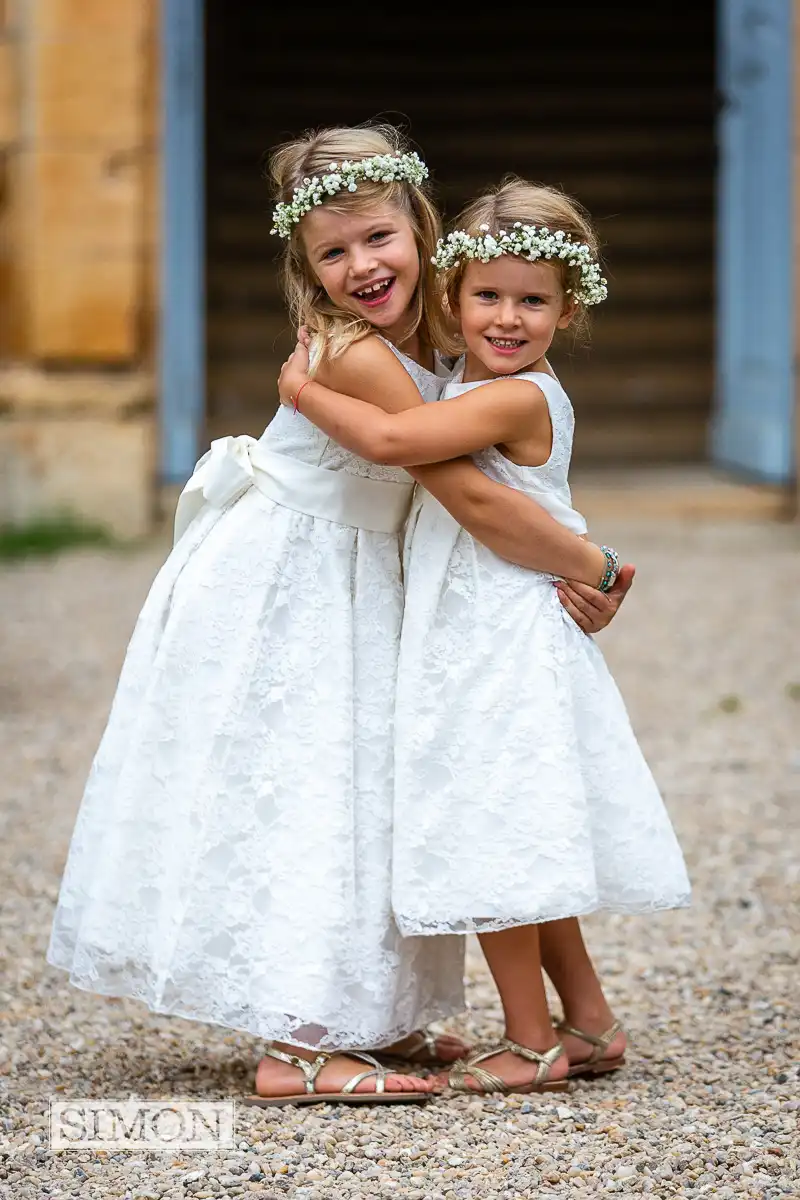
(568, 312)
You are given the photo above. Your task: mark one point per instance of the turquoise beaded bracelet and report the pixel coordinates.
(612, 569)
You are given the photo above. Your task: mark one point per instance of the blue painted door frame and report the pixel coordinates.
(182, 337)
(752, 426)
(753, 423)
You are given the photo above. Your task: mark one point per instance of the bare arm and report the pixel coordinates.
(501, 412)
(503, 519)
(509, 523)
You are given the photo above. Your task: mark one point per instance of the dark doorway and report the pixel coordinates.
(613, 102)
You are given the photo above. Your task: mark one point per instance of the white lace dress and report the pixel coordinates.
(522, 794)
(231, 860)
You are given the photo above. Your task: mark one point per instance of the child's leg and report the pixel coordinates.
(513, 958)
(566, 960)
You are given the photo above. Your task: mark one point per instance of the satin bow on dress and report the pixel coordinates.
(235, 464)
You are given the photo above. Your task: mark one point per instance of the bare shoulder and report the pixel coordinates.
(361, 363)
(519, 393)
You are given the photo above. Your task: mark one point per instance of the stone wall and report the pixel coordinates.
(78, 260)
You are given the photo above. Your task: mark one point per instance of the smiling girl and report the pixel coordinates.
(509, 727)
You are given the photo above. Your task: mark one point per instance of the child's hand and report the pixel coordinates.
(591, 609)
(294, 373)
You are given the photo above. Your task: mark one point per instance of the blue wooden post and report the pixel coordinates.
(182, 348)
(753, 420)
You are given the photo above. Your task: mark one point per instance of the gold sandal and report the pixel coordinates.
(421, 1052)
(595, 1064)
(347, 1095)
(457, 1077)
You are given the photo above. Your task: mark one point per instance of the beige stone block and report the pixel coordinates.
(84, 310)
(90, 88)
(99, 470)
(84, 234)
(53, 18)
(9, 93)
(27, 390)
(90, 198)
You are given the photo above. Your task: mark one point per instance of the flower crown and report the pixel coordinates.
(531, 242)
(381, 168)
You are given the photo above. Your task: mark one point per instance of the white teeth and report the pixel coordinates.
(376, 287)
(506, 343)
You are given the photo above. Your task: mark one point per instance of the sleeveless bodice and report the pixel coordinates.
(291, 433)
(547, 484)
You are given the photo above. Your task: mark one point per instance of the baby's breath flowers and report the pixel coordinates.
(530, 242)
(381, 168)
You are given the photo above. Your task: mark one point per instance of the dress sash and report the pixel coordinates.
(235, 464)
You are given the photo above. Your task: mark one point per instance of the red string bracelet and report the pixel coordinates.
(296, 396)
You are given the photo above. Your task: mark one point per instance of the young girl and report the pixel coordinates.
(231, 858)
(508, 726)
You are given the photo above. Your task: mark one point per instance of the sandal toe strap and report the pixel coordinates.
(375, 1071)
(311, 1068)
(486, 1081)
(545, 1060)
(601, 1041)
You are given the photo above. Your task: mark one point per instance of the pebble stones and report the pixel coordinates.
(710, 1102)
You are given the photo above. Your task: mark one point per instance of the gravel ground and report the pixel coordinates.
(708, 659)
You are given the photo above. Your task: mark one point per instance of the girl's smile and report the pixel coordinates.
(510, 310)
(505, 345)
(368, 264)
(374, 295)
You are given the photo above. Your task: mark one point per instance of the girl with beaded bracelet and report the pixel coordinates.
(508, 724)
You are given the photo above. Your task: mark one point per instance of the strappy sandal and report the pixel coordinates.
(347, 1095)
(595, 1064)
(421, 1052)
(470, 1068)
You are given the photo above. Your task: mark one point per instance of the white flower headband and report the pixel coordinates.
(531, 242)
(381, 168)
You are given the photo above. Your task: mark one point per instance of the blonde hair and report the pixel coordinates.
(531, 204)
(308, 302)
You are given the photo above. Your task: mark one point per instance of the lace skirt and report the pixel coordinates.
(522, 793)
(231, 860)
